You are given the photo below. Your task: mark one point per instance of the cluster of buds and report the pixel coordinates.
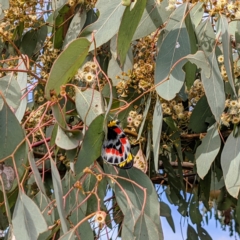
(37, 117)
(134, 120)
(140, 161)
(19, 12)
(141, 78)
(122, 88)
(196, 92)
(47, 57)
(236, 68)
(232, 113)
(230, 9)
(171, 5)
(39, 96)
(87, 73)
(175, 109)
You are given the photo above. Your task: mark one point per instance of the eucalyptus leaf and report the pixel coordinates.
(227, 50)
(130, 20)
(32, 224)
(22, 81)
(75, 27)
(66, 65)
(89, 104)
(156, 132)
(214, 88)
(174, 47)
(154, 15)
(67, 140)
(12, 141)
(11, 91)
(207, 151)
(230, 162)
(191, 233)
(58, 193)
(91, 146)
(199, 115)
(29, 42)
(107, 24)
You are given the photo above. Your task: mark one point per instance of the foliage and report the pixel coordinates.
(169, 71)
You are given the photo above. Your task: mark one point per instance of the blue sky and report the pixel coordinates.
(213, 228)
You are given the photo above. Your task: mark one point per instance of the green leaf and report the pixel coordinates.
(66, 65)
(45, 204)
(70, 235)
(114, 68)
(45, 207)
(107, 24)
(237, 36)
(58, 193)
(3, 221)
(165, 211)
(76, 208)
(153, 16)
(146, 207)
(28, 221)
(189, 68)
(191, 233)
(75, 27)
(227, 50)
(29, 42)
(91, 146)
(11, 91)
(22, 81)
(199, 115)
(194, 212)
(91, 17)
(206, 36)
(89, 104)
(156, 132)
(205, 187)
(214, 88)
(88, 186)
(12, 140)
(230, 162)
(174, 47)
(203, 234)
(36, 173)
(60, 16)
(74, 197)
(196, 14)
(41, 37)
(147, 105)
(139, 226)
(67, 140)
(129, 23)
(57, 4)
(59, 115)
(200, 61)
(207, 151)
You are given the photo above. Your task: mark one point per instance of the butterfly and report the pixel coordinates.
(116, 147)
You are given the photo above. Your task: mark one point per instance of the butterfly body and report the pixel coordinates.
(116, 147)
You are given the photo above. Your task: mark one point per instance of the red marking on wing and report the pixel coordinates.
(117, 130)
(123, 140)
(114, 151)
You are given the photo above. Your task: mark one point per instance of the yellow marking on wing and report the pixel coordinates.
(112, 123)
(129, 159)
